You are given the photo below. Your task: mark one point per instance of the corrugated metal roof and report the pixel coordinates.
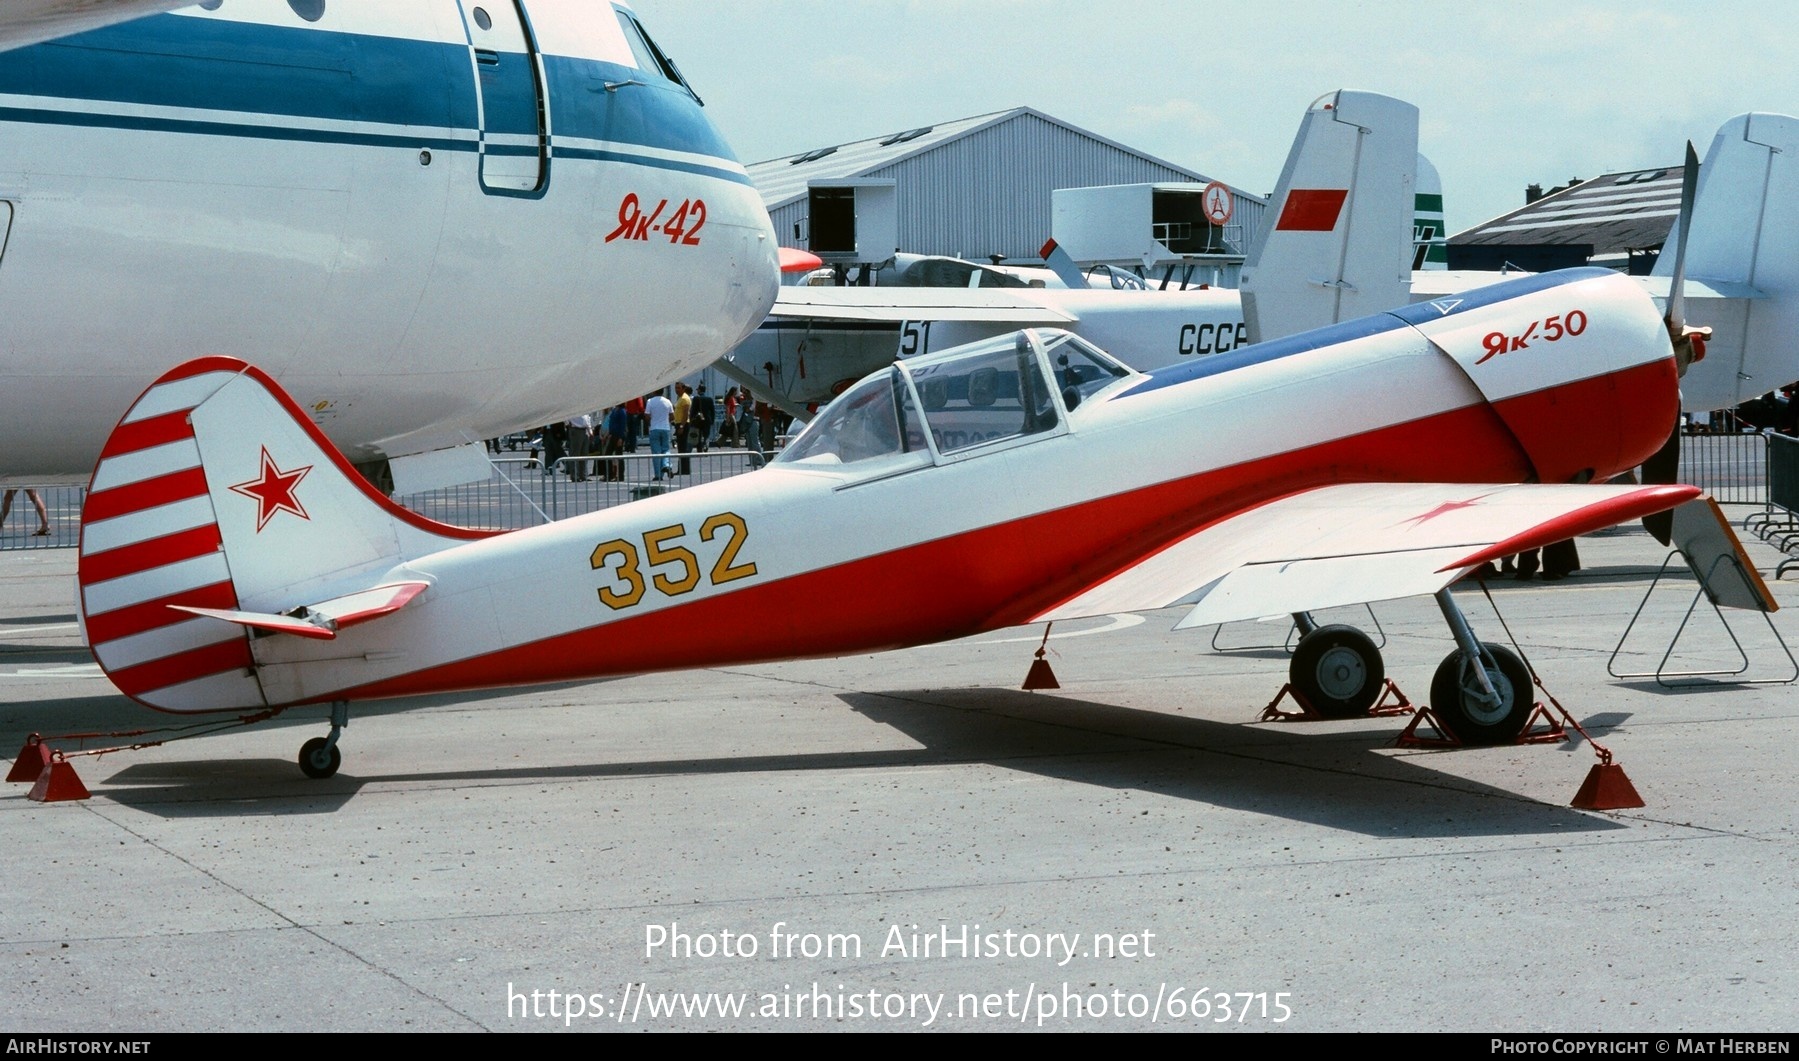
(783, 180)
(1615, 212)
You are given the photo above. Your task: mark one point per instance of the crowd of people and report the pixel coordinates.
(675, 423)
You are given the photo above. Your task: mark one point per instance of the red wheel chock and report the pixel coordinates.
(58, 782)
(32, 760)
(1401, 705)
(54, 777)
(1409, 738)
(1551, 733)
(1273, 713)
(1392, 701)
(1607, 788)
(1040, 676)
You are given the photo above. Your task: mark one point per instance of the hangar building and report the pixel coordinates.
(978, 186)
(1618, 220)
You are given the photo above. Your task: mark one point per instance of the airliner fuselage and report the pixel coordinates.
(432, 220)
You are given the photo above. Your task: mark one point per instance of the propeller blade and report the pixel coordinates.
(1663, 468)
(1689, 343)
(1689, 189)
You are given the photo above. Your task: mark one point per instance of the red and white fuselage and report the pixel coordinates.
(994, 485)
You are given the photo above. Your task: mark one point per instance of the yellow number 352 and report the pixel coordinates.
(662, 548)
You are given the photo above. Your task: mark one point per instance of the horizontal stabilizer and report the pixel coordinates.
(1355, 543)
(321, 621)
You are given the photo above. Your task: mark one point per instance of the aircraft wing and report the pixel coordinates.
(24, 22)
(1356, 543)
(900, 304)
(1438, 283)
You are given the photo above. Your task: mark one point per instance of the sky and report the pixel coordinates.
(1510, 94)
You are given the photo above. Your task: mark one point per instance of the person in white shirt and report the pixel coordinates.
(580, 444)
(661, 412)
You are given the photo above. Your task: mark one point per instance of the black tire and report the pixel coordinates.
(1338, 671)
(319, 758)
(1461, 711)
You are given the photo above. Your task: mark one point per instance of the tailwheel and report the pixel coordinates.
(319, 758)
(1338, 671)
(1463, 704)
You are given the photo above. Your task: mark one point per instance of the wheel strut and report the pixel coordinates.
(1481, 693)
(319, 757)
(1465, 640)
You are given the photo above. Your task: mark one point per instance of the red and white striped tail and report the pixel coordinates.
(217, 492)
(150, 539)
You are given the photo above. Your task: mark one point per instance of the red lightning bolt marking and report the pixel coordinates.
(274, 491)
(1443, 509)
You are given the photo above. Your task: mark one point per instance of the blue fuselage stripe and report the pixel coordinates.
(180, 63)
(1361, 328)
(1261, 353)
(83, 119)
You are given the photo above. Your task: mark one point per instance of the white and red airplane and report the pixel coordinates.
(434, 221)
(231, 560)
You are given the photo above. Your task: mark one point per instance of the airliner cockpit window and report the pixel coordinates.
(871, 421)
(992, 392)
(650, 59)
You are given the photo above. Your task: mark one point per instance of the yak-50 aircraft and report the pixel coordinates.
(434, 221)
(231, 560)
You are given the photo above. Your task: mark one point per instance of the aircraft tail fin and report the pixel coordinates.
(1744, 231)
(1064, 266)
(1430, 237)
(1337, 240)
(217, 508)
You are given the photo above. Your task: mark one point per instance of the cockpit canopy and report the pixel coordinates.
(964, 401)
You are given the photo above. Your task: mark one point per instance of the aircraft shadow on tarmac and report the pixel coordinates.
(1337, 779)
(22, 637)
(38, 654)
(36, 620)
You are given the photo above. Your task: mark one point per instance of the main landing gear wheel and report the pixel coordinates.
(1465, 708)
(1338, 671)
(319, 758)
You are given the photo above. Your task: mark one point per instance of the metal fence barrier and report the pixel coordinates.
(1778, 525)
(523, 492)
(61, 516)
(520, 492)
(1783, 472)
(1730, 466)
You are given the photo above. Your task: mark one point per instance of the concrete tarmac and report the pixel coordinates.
(908, 841)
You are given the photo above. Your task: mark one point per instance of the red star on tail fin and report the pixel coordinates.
(274, 491)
